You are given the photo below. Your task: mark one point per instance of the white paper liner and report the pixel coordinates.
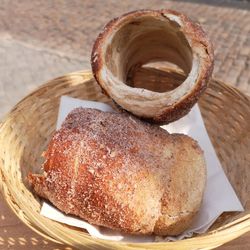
(219, 195)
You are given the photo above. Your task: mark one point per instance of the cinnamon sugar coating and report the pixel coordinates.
(116, 171)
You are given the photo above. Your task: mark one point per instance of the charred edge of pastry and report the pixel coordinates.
(167, 111)
(37, 183)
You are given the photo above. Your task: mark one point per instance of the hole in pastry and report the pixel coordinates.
(158, 77)
(148, 44)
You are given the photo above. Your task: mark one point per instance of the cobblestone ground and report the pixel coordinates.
(24, 67)
(40, 40)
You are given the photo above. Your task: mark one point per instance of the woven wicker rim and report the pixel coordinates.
(57, 232)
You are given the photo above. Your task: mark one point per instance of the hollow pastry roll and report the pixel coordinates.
(138, 38)
(116, 171)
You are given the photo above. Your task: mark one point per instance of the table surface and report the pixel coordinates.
(45, 39)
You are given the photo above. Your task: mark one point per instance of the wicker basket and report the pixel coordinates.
(26, 130)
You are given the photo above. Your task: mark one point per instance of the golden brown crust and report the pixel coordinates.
(170, 110)
(116, 171)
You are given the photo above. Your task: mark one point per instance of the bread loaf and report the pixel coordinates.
(116, 171)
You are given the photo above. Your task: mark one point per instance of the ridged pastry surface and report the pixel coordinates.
(119, 172)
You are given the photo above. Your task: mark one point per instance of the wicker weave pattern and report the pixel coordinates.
(25, 132)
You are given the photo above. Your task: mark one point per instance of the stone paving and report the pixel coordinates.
(24, 67)
(40, 40)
